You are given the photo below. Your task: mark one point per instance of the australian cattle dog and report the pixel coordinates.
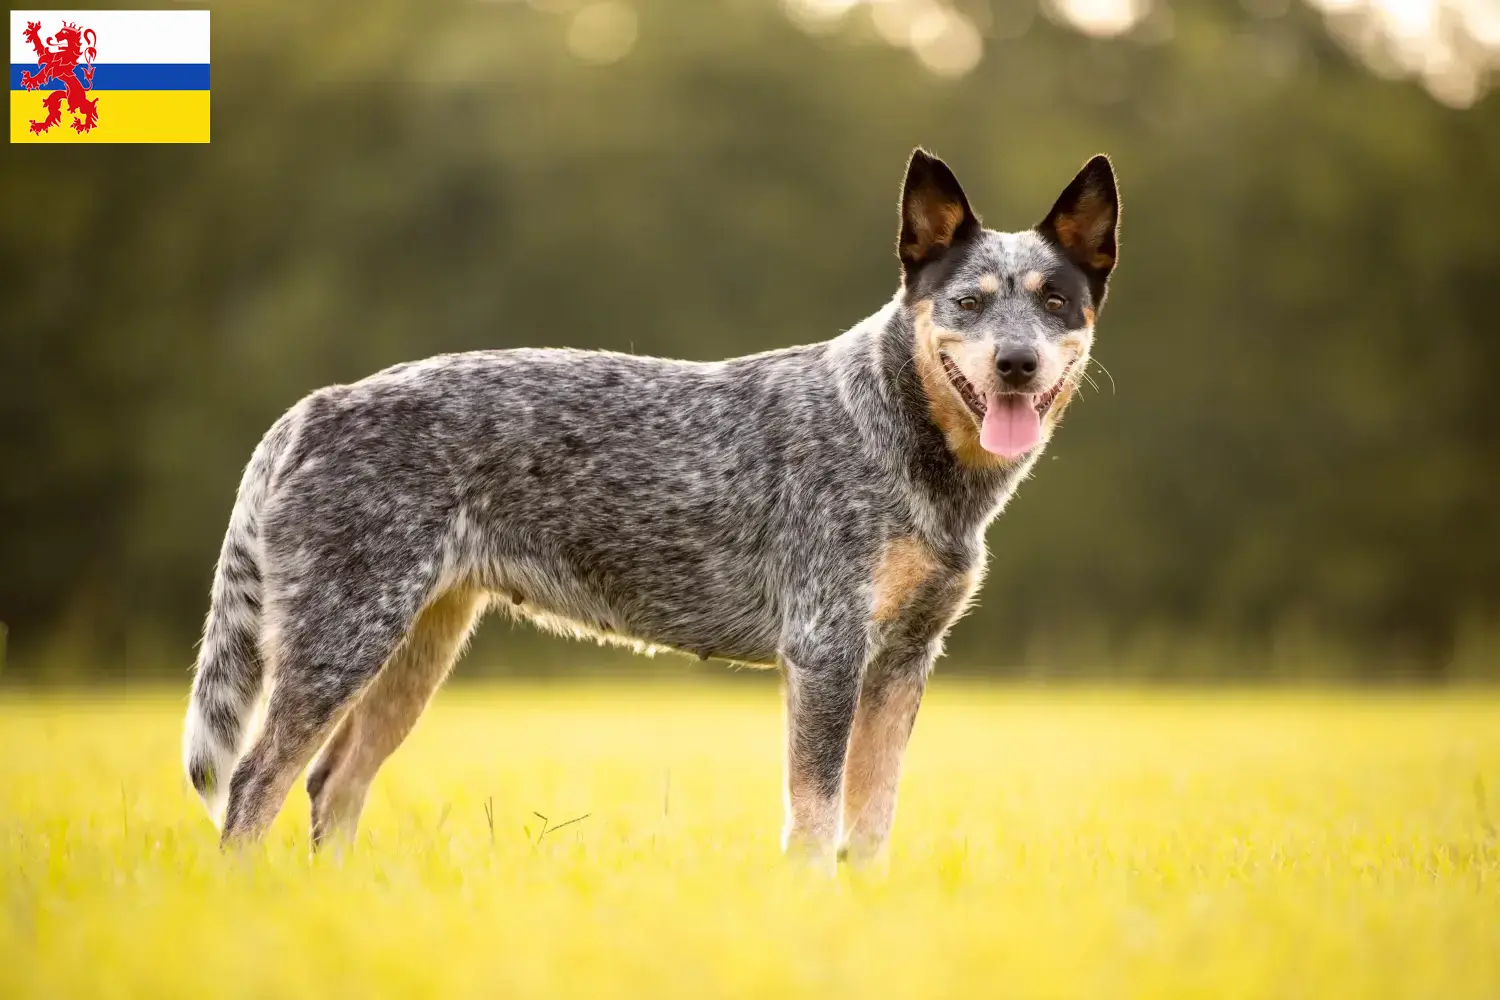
(819, 508)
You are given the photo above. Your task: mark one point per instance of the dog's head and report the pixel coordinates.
(1003, 321)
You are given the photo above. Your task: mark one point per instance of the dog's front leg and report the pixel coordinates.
(888, 702)
(822, 691)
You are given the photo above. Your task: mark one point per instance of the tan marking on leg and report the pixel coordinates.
(338, 747)
(382, 719)
(882, 725)
(959, 426)
(1033, 281)
(990, 284)
(904, 564)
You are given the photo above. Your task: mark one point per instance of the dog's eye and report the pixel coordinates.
(968, 303)
(1055, 302)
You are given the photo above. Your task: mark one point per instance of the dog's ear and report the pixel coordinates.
(1085, 222)
(934, 212)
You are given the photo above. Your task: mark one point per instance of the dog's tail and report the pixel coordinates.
(231, 669)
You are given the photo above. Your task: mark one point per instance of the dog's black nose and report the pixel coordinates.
(1017, 366)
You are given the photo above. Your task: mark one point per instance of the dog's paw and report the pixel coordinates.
(811, 853)
(862, 855)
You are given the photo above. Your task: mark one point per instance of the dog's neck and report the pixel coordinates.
(877, 369)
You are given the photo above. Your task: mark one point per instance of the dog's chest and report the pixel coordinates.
(917, 592)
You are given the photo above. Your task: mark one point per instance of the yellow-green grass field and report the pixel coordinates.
(1050, 843)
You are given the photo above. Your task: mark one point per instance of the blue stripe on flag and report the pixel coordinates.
(128, 76)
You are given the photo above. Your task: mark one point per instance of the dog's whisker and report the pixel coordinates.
(1106, 371)
(1083, 375)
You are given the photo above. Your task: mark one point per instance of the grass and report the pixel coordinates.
(1079, 843)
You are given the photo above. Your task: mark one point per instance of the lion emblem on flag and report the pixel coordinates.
(56, 59)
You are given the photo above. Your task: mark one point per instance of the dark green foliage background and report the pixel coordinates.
(1291, 467)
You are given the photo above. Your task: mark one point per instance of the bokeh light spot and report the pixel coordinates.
(603, 32)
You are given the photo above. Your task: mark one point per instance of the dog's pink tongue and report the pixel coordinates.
(1012, 427)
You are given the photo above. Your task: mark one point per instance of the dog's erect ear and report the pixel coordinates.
(1085, 221)
(934, 212)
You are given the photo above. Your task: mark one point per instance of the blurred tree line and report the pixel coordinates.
(1291, 466)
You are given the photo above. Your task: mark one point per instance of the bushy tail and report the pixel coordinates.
(231, 670)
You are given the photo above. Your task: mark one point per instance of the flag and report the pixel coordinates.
(109, 76)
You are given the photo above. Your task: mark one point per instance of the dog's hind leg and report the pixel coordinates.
(328, 642)
(385, 714)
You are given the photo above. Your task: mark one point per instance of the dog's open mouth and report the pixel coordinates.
(1045, 400)
(1010, 424)
(1042, 402)
(965, 388)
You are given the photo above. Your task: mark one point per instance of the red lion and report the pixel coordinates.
(55, 60)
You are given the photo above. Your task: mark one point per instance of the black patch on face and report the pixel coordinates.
(1074, 285)
(927, 280)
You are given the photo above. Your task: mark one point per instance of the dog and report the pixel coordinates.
(818, 508)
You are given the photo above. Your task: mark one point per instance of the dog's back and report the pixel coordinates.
(661, 501)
